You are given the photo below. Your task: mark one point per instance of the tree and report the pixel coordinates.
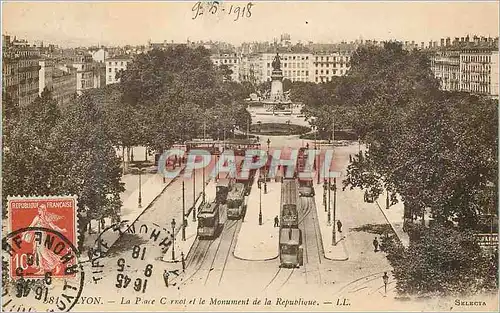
(27, 162)
(226, 72)
(173, 88)
(442, 261)
(85, 162)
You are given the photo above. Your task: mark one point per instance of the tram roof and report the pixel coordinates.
(208, 208)
(290, 236)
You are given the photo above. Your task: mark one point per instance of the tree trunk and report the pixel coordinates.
(123, 160)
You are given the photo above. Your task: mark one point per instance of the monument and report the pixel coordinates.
(277, 80)
(276, 107)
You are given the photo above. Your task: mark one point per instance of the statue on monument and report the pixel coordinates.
(276, 62)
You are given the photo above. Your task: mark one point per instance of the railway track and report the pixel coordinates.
(280, 278)
(228, 232)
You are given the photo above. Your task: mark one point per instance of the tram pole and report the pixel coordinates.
(334, 235)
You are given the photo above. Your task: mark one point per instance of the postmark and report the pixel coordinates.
(132, 270)
(49, 289)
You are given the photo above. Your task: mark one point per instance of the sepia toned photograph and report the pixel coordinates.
(241, 156)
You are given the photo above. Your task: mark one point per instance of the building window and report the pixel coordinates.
(109, 70)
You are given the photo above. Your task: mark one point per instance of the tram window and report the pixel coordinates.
(287, 249)
(205, 222)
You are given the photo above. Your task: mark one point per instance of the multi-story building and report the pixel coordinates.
(100, 55)
(85, 69)
(231, 60)
(479, 70)
(64, 85)
(45, 75)
(445, 65)
(296, 66)
(326, 65)
(10, 75)
(115, 65)
(464, 65)
(21, 70)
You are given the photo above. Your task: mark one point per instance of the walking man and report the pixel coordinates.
(276, 221)
(339, 226)
(375, 244)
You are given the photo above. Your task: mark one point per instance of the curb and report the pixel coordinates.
(254, 260)
(388, 222)
(148, 206)
(338, 259)
(321, 239)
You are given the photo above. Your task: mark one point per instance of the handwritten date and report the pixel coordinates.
(211, 8)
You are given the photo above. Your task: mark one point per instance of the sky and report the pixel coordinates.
(119, 23)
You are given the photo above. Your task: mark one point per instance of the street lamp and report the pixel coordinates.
(260, 206)
(173, 239)
(329, 198)
(194, 196)
(184, 221)
(267, 169)
(139, 200)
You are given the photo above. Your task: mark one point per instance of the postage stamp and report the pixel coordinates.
(37, 255)
(41, 247)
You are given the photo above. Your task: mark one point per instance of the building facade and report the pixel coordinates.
(114, 66)
(64, 86)
(479, 71)
(330, 64)
(20, 71)
(231, 60)
(83, 63)
(465, 65)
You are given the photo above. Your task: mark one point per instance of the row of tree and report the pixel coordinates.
(438, 150)
(164, 97)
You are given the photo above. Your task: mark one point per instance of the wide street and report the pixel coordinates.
(212, 268)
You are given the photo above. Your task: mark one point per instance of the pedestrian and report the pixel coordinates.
(276, 221)
(183, 262)
(375, 244)
(339, 226)
(165, 277)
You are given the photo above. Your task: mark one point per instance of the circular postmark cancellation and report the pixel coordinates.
(137, 254)
(44, 272)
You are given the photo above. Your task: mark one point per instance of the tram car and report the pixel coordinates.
(235, 204)
(289, 202)
(246, 177)
(290, 248)
(208, 220)
(221, 190)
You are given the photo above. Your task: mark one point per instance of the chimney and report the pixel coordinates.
(448, 41)
(422, 45)
(442, 42)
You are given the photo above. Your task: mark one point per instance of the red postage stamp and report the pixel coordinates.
(40, 252)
